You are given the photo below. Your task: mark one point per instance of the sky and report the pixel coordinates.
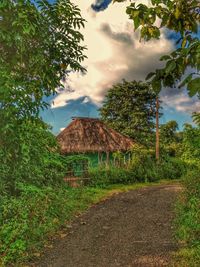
(114, 53)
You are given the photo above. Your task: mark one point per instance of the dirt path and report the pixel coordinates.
(130, 229)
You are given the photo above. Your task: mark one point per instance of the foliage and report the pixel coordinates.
(188, 220)
(170, 139)
(191, 142)
(196, 118)
(76, 165)
(29, 154)
(103, 176)
(168, 132)
(130, 107)
(27, 220)
(40, 44)
(142, 167)
(179, 16)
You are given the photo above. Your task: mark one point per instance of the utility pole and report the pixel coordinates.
(157, 130)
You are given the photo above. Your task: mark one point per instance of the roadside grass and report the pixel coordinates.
(31, 220)
(187, 221)
(187, 257)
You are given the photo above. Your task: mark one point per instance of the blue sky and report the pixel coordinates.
(114, 52)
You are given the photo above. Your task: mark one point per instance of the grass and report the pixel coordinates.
(187, 257)
(188, 221)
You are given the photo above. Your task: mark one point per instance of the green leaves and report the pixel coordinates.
(37, 39)
(129, 107)
(183, 18)
(196, 118)
(194, 87)
(156, 85)
(170, 66)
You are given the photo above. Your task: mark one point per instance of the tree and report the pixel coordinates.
(191, 142)
(168, 132)
(40, 44)
(130, 108)
(182, 17)
(170, 139)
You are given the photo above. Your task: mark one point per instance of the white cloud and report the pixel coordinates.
(114, 52)
(179, 100)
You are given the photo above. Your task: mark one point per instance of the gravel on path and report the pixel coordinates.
(131, 229)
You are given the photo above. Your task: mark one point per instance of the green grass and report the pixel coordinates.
(188, 221)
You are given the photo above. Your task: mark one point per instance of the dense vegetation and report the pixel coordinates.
(188, 220)
(40, 44)
(39, 205)
(140, 166)
(130, 108)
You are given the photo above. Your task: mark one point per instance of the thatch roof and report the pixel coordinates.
(84, 135)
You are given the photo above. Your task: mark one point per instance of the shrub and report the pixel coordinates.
(30, 155)
(106, 175)
(27, 220)
(140, 169)
(171, 168)
(188, 218)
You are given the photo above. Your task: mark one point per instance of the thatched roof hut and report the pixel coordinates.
(85, 135)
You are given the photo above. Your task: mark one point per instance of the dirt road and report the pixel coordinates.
(128, 230)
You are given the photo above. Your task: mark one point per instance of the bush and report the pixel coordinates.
(27, 220)
(188, 218)
(103, 176)
(140, 169)
(32, 158)
(172, 168)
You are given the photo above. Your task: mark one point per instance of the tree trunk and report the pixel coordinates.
(157, 131)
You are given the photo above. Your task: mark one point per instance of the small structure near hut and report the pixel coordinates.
(90, 135)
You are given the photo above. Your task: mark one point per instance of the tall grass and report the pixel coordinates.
(146, 170)
(188, 221)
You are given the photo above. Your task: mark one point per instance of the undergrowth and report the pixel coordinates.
(188, 221)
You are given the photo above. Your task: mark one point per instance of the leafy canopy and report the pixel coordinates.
(40, 44)
(182, 17)
(168, 132)
(130, 108)
(191, 142)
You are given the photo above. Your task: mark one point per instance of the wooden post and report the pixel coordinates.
(107, 158)
(157, 130)
(99, 158)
